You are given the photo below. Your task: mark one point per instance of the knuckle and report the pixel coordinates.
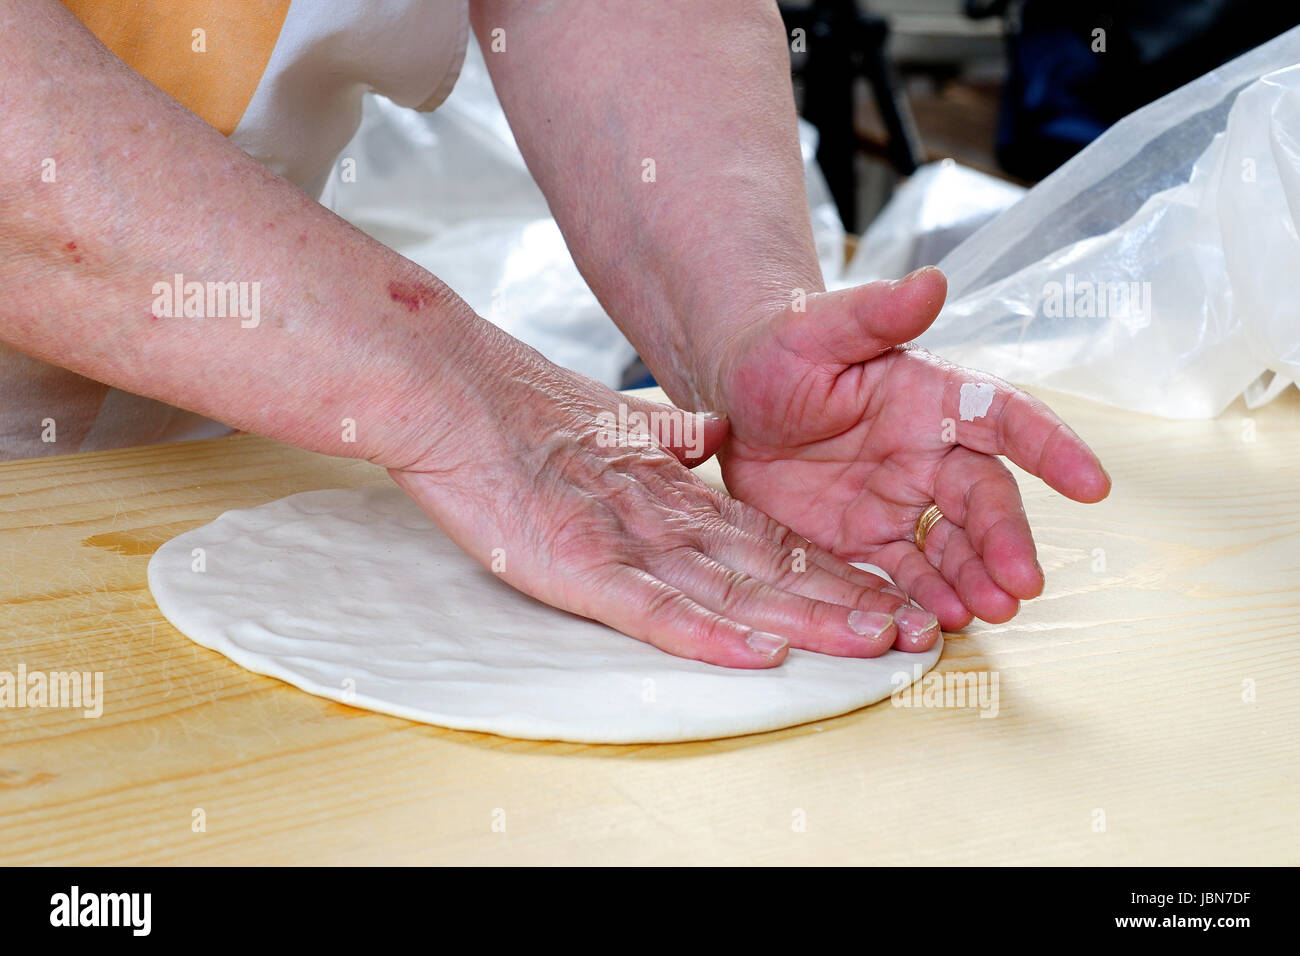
(663, 603)
(736, 590)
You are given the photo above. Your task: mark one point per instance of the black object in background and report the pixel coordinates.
(843, 43)
(1060, 94)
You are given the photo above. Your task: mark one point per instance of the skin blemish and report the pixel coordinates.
(413, 295)
(70, 246)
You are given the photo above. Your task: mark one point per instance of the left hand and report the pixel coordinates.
(844, 433)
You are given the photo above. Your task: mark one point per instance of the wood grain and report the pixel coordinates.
(1121, 692)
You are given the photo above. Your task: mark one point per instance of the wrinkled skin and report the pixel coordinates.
(844, 432)
(631, 537)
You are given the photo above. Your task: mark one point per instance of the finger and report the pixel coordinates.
(692, 437)
(926, 585)
(949, 547)
(1024, 429)
(808, 624)
(853, 325)
(647, 608)
(859, 578)
(979, 494)
(794, 563)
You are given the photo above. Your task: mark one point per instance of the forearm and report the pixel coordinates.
(722, 234)
(144, 191)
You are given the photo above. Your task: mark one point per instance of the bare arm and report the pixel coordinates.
(145, 190)
(702, 88)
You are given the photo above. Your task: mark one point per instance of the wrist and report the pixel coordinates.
(486, 399)
(700, 363)
(426, 387)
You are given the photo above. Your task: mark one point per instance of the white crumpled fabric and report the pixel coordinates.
(1182, 217)
(450, 190)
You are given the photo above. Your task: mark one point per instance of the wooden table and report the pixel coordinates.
(1149, 704)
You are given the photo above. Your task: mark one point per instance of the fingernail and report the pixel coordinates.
(769, 645)
(910, 276)
(871, 624)
(894, 591)
(915, 621)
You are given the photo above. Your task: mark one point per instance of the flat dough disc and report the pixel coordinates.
(355, 595)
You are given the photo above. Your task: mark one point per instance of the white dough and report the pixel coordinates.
(355, 595)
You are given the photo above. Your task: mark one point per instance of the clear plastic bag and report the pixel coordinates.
(928, 216)
(1159, 269)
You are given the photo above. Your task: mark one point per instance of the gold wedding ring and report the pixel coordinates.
(929, 518)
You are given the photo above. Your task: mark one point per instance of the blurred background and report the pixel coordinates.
(1012, 88)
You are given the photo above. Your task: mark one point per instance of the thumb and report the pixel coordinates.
(692, 437)
(853, 325)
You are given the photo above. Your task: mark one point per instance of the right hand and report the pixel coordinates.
(627, 535)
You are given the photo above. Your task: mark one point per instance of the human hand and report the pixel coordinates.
(845, 433)
(536, 482)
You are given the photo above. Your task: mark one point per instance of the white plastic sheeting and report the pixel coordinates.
(928, 216)
(450, 191)
(1159, 269)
